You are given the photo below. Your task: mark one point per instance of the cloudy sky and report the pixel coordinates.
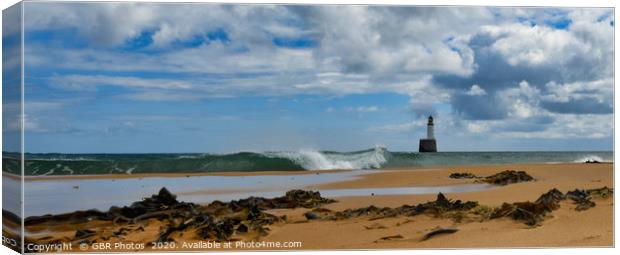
(124, 77)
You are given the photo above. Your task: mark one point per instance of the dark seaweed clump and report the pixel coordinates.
(508, 177)
(463, 176)
(530, 213)
(501, 178)
(439, 207)
(218, 221)
(533, 213)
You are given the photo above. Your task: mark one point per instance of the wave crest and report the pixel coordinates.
(317, 160)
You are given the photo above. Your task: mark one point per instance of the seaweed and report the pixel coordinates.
(508, 177)
(439, 231)
(216, 221)
(463, 176)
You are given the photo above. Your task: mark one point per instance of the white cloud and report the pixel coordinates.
(403, 127)
(600, 90)
(588, 43)
(364, 109)
(384, 44)
(535, 45)
(478, 127)
(89, 82)
(476, 90)
(522, 101)
(162, 96)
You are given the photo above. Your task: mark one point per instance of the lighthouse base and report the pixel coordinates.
(428, 145)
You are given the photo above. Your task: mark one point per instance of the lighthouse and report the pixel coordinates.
(430, 128)
(429, 144)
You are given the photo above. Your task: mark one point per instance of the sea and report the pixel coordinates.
(38, 164)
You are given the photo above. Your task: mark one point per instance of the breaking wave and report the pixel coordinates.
(316, 160)
(591, 158)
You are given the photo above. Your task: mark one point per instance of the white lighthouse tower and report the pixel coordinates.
(429, 144)
(430, 128)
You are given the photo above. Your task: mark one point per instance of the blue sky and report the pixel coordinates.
(125, 77)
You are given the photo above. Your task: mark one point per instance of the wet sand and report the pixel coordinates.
(565, 227)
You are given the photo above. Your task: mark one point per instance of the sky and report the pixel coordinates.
(153, 77)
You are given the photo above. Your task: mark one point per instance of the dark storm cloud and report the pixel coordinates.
(493, 72)
(579, 106)
(479, 107)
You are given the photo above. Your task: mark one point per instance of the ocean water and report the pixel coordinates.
(375, 158)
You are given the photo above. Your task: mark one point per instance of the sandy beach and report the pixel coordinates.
(564, 227)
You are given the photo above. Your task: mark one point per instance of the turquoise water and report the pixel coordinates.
(376, 158)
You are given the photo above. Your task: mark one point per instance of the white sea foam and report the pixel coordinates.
(316, 160)
(67, 170)
(590, 158)
(130, 170)
(63, 159)
(51, 171)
